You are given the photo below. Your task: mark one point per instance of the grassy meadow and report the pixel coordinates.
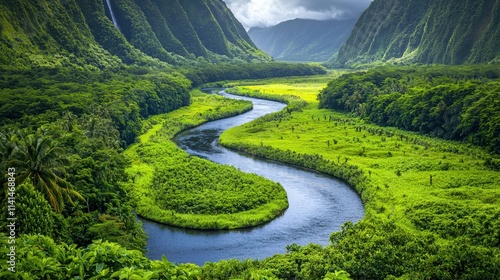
(170, 186)
(306, 88)
(424, 184)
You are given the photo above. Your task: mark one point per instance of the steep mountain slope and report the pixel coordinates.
(36, 33)
(425, 31)
(302, 39)
(86, 32)
(181, 27)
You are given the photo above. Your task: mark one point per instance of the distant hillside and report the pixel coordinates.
(302, 39)
(425, 31)
(86, 32)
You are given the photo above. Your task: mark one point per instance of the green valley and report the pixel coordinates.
(458, 103)
(93, 92)
(429, 202)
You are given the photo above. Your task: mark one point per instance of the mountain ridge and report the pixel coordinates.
(82, 33)
(302, 39)
(428, 32)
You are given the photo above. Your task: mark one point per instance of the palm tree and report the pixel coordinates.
(95, 127)
(68, 121)
(38, 158)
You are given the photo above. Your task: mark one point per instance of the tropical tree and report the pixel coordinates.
(39, 160)
(99, 128)
(34, 214)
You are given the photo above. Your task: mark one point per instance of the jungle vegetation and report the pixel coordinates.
(431, 204)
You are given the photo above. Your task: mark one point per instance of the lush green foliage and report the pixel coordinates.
(220, 72)
(64, 129)
(108, 36)
(134, 25)
(86, 158)
(42, 162)
(206, 26)
(173, 187)
(33, 34)
(39, 257)
(34, 214)
(424, 31)
(160, 26)
(431, 205)
(459, 103)
(124, 98)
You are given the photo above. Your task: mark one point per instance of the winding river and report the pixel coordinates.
(319, 204)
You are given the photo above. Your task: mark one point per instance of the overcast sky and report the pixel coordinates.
(271, 12)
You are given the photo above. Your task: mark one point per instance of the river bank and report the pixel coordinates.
(171, 187)
(319, 204)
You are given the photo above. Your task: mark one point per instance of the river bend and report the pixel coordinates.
(318, 204)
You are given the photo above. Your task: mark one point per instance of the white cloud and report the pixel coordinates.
(271, 12)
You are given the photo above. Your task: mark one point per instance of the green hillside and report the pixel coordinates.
(302, 39)
(82, 33)
(445, 32)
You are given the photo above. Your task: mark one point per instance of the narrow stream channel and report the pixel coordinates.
(319, 204)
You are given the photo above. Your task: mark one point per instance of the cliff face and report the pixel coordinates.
(108, 32)
(425, 31)
(302, 39)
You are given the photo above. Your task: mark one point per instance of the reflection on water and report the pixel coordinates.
(319, 204)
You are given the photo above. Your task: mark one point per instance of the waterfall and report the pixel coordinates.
(112, 14)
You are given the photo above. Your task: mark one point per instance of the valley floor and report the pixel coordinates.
(427, 187)
(432, 206)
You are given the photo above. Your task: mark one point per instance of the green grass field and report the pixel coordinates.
(423, 183)
(305, 87)
(173, 187)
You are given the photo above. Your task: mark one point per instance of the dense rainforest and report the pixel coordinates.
(68, 127)
(444, 32)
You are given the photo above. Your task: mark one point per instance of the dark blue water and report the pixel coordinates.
(319, 204)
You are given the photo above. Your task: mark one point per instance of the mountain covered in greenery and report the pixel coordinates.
(102, 33)
(302, 39)
(425, 31)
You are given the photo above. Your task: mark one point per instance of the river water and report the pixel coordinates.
(319, 204)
